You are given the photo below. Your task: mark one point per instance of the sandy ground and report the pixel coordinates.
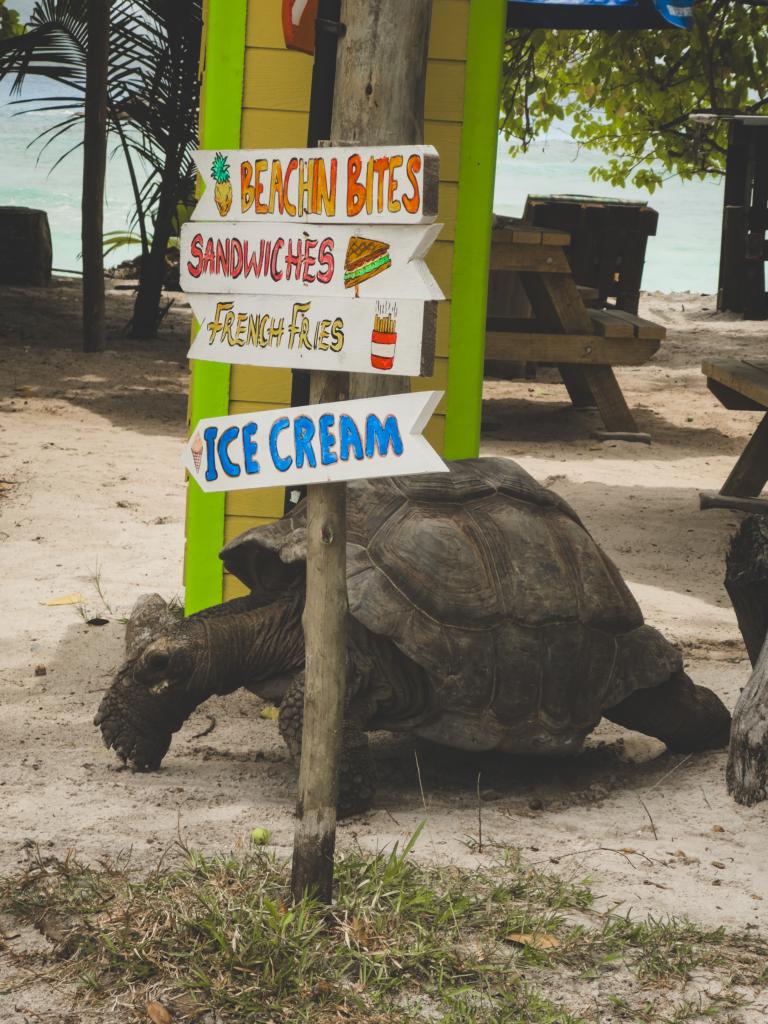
(92, 502)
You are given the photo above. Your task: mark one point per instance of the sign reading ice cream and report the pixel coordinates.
(365, 185)
(314, 444)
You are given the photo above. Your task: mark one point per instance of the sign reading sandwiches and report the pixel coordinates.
(310, 260)
(353, 185)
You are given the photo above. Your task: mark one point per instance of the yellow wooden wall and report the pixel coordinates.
(276, 92)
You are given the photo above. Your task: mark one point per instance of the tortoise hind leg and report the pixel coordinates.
(684, 716)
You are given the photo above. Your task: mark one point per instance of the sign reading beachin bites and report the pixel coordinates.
(395, 336)
(315, 444)
(365, 185)
(276, 259)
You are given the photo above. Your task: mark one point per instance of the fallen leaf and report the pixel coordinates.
(158, 1014)
(717, 864)
(537, 940)
(96, 621)
(64, 599)
(269, 712)
(627, 849)
(718, 828)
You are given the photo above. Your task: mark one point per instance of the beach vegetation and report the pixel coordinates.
(10, 23)
(631, 94)
(152, 101)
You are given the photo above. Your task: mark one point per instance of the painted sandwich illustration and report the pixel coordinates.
(222, 192)
(365, 259)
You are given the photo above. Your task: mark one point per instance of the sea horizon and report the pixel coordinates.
(683, 256)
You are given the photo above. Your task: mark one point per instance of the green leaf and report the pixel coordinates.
(630, 94)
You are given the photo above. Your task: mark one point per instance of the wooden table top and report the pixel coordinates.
(517, 233)
(744, 376)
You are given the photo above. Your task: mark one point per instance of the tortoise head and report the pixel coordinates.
(152, 695)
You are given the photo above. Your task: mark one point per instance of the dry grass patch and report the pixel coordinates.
(218, 939)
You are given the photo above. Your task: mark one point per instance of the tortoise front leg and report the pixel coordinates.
(356, 782)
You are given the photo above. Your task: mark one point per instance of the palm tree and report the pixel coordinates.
(152, 98)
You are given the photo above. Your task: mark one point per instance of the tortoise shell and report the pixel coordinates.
(490, 583)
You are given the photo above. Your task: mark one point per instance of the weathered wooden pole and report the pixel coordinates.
(325, 669)
(378, 99)
(325, 611)
(381, 75)
(94, 170)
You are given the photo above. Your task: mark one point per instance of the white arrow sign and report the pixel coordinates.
(366, 336)
(315, 444)
(274, 259)
(366, 185)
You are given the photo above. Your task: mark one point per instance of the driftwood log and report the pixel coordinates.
(747, 584)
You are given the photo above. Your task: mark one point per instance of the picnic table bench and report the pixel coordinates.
(584, 344)
(743, 384)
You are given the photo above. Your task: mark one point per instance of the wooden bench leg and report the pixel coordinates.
(750, 474)
(611, 403)
(576, 385)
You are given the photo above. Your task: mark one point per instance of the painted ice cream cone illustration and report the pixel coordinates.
(384, 336)
(197, 450)
(222, 191)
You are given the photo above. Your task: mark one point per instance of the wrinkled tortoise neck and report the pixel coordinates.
(253, 644)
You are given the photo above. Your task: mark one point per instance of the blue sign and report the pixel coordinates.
(679, 14)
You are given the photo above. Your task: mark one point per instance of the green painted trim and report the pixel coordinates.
(471, 252)
(220, 116)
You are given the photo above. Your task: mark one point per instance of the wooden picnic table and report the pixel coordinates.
(585, 344)
(743, 384)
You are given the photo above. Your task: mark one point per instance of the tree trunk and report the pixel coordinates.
(146, 309)
(747, 773)
(747, 584)
(182, 27)
(94, 170)
(381, 70)
(746, 581)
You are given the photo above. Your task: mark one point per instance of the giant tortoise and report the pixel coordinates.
(482, 615)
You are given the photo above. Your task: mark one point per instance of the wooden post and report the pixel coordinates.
(325, 611)
(325, 668)
(94, 169)
(381, 74)
(378, 99)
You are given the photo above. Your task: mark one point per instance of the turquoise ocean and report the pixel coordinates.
(683, 256)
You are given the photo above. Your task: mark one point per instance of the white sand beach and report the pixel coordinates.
(92, 503)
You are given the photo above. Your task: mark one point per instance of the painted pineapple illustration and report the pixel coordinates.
(222, 192)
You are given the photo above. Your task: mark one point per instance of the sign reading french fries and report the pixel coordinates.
(394, 336)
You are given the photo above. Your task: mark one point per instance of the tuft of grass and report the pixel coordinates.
(401, 942)
(96, 581)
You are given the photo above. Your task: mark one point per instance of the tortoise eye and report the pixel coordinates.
(157, 661)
